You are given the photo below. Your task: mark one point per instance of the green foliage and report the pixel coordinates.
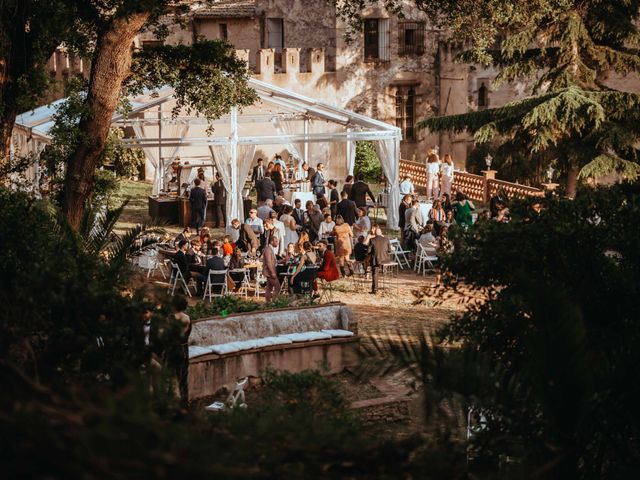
(207, 76)
(565, 49)
(223, 306)
(126, 161)
(367, 161)
(557, 331)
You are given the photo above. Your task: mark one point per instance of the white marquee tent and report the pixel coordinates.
(309, 130)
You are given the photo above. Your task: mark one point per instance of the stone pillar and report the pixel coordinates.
(243, 55)
(291, 60)
(265, 62)
(316, 60)
(488, 175)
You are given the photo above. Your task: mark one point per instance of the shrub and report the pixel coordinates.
(367, 161)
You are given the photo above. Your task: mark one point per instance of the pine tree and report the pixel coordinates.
(565, 48)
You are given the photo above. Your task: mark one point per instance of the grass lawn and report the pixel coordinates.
(137, 211)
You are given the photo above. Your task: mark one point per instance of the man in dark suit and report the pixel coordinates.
(219, 203)
(310, 171)
(198, 199)
(318, 182)
(266, 189)
(214, 263)
(247, 239)
(258, 172)
(347, 209)
(402, 221)
(298, 212)
(359, 192)
(180, 259)
(379, 254)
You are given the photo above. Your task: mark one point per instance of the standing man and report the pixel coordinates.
(258, 173)
(198, 199)
(269, 269)
(266, 189)
(402, 221)
(347, 209)
(309, 170)
(298, 213)
(219, 202)
(379, 254)
(318, 182)
(334, 197)
(406, 186)
(359, 192)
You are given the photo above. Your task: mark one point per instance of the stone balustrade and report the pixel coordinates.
(477, 187)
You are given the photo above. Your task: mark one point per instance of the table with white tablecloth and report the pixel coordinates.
(303, 196)
(425, 208)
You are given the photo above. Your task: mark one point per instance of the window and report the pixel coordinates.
(151, 43)
(411, 38)
(376, 39)
(483, 96)
(275, 34)
(406, 111)
(224, 33)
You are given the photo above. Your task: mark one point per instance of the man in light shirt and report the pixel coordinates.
(406, 187)
(256, 223)
(264, 210)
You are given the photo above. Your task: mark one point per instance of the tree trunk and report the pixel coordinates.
(572, 179)
(111, 66)
(7, 120)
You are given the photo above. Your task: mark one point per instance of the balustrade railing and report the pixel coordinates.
(477, 187)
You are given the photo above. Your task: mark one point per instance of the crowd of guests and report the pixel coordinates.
(329, 234)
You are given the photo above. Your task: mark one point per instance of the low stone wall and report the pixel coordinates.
(210, 372)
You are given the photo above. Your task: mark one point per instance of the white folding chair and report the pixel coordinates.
(260, 279)
(149, 260)
(424, 259)
(359, 276)
(177, 277)
(244, 284)
(208, 289)
(234, 400)
(399, 254)
(326, 293)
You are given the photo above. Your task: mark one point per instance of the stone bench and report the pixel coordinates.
(223, 349)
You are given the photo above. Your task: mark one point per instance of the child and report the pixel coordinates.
(360, 250)
(227, 247)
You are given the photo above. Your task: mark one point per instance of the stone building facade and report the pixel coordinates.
(397, 70)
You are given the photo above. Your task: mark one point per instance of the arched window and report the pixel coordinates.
(483, 96)
(406, 111)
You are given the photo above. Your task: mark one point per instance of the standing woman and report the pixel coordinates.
(290, 226)
(276, 176)
(270, 166)
(344, 235)
(433, 171)
(446, 171)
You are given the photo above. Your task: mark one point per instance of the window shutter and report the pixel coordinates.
(384, 49)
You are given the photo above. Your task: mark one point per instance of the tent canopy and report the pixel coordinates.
(309, 130)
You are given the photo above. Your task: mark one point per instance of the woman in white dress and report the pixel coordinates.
(433, 172)
(446, 171)
(290, 232)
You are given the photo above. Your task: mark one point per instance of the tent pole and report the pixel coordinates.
(306, 143)
(235, 208)
(160, 162)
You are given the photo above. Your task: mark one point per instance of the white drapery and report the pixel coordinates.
(351, 155)
(170, 129)
(222, 158)
(245, 159)
(287, 127)
(389, 155)
(233, 178)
